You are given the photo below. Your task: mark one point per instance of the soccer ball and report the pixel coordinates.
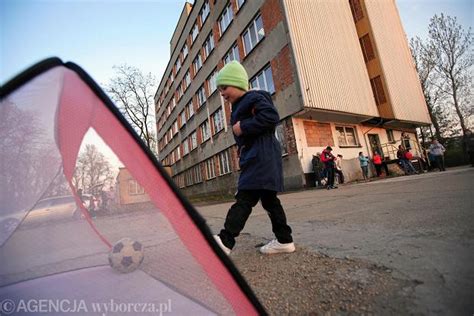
(126, 255)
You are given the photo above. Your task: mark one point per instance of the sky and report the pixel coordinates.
(98, 34)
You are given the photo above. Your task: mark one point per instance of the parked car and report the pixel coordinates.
(55, 208)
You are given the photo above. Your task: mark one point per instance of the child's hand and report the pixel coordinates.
(236, 129)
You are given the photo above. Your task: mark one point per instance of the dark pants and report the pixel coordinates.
(341, 176)
(440, 162)
(378, 169)
(317, 177)
(240, 211)
(330, 173)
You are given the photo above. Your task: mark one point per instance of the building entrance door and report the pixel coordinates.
(374, 141)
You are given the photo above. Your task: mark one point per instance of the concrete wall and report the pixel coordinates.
(329, 58)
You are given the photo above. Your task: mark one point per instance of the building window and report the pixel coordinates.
(134, 188)
(205, 131)
(180, 91)
(263, 80)
(197, 176)
(240, 3)
(194, 32)
(186, 147)
(187, 80)
(194, 142)
(280, 135)
(212, 82)
(178, 64)
(390, 137)
(177, 154)
(356, 10)
(218, 119)
(253, 35)
(173, 103)
(182, 115)
(185, 51)
(367, 48)
(346, 136)
(210, 169)
(197, 63)
(232, 54)
(226, 18)
(224, 162)
(190, 109)
(377, 89)
(201, 94)
(188, 177)
(208, 46)
(175, 127)
(205, 12)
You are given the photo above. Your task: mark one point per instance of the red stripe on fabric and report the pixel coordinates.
(74, 116)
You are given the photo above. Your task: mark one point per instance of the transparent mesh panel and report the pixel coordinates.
(73, 185)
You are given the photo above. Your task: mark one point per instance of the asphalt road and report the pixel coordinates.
(419, 226)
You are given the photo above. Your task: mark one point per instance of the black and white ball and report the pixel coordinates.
(126, 255)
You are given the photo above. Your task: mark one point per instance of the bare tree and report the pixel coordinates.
(93, 172)
(451, 45)
(29, 161)
(132, 91)
(425, 63)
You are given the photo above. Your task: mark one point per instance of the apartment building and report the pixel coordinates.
(340, 73)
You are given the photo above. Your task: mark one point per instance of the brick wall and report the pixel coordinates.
(282, 69)
(272, 14)
(318, 134)
(290, 136)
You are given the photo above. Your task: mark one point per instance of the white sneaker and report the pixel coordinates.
(275, 247)
(221, 244)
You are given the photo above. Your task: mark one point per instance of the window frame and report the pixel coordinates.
(345, 127)
(203, 10)
(221, 121)
(234, 49)
(209, 45)
(205, 129)
(224, 154)
(264, 74)
(201, 96)
(225, 14)
(252, 27)
(210, 168)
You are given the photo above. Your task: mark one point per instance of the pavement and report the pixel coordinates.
(419, 226)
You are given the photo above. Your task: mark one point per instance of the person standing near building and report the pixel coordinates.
(253, 120)
(364, 165)
(338, 169)
(329, 165)
(377, 159)
(317, 169)
(437, 150)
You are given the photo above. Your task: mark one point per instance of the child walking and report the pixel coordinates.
(253, 120)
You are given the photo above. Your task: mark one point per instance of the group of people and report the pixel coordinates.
(378, 162)
(326, 165)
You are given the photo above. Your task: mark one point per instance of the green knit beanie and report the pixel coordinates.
(233, 74)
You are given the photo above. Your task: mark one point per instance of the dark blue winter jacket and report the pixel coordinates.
(260, 152)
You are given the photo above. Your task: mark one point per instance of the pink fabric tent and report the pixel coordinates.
(47, 112)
